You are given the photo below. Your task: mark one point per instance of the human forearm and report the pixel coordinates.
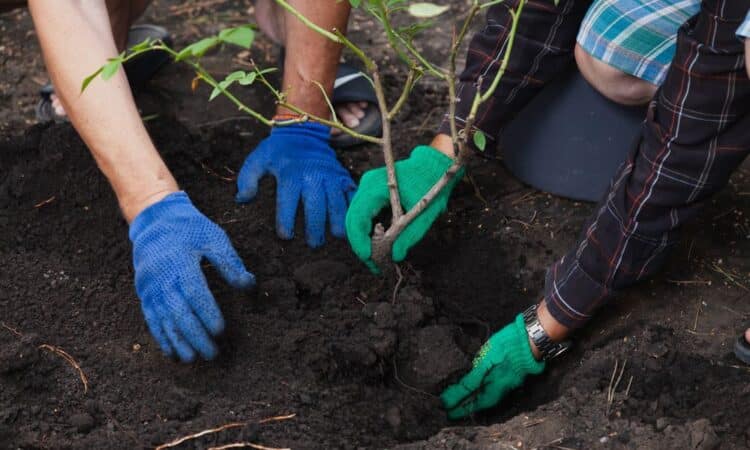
(76, 39)
(311, 57)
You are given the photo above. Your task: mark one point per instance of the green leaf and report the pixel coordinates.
(248, 79)
(90, 78)
(198, 49)
(225, 83)
(240, 36)
(142, 46)
(425, 10)
(217, 90)
(235, 76)
(111, 68)
(480, 140)
(355, 3)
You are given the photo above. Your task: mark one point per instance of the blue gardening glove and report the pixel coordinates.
(305, 167)
(170, 239)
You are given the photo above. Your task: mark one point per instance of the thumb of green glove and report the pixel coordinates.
(501, 365)
(415, 175)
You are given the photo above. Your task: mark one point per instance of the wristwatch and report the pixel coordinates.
(547, 348)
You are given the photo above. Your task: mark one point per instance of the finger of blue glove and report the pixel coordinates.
(154, 326)
(287, 200)
(252, 171)
(184, 351)
(200, 300)
(222, 255)
(192, 330)
(314, 200)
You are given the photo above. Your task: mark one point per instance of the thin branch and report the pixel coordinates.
(310, 24)
(422, 60)
(334, 35)
(506, 57)
(381, 12)
(327, 99)
(330, 123)
(408, 85)
(455, 46)
(390, 164)
(397, 227)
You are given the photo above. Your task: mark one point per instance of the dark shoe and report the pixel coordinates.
(742, 349)
(352, 86)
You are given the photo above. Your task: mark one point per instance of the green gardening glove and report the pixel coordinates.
(500, 366)
(415, 175)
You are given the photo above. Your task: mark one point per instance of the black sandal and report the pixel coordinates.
(742, 349)
(351, 86)
(139, 70)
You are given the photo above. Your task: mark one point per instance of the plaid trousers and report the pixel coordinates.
(696, 133)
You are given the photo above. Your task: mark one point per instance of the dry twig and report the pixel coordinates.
(398, 284)
(614, 382)
(62, 353)
(45, 202)
(228, 426)
(245, 445)
(11, 329)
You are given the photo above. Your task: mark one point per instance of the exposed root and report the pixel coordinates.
(277, 418)
(62, 353)
(228, 426)
(398, 284)
(477, 192)
(212, 172)
(245, 445)
(189, 437)
(45, 202)
(11, 329)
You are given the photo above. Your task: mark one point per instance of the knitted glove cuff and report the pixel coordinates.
(154, 212)
(312, 130)
(519, 350)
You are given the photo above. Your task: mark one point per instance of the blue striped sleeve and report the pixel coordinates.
(744, 29)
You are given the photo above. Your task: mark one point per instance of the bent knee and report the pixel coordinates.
(612, 83)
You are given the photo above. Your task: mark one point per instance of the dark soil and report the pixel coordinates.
(320, 337)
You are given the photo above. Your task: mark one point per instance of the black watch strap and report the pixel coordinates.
(547, 348)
